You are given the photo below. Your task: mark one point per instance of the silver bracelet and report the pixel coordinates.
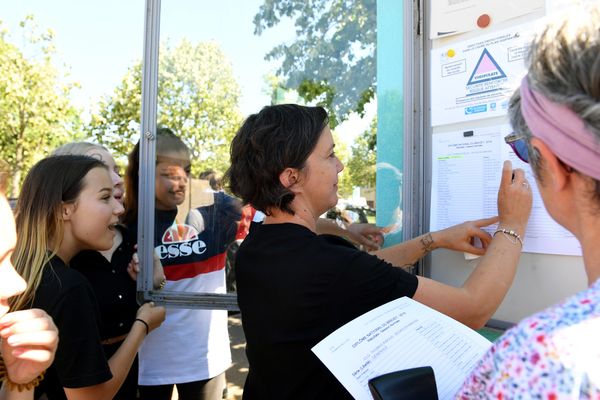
(508, 233)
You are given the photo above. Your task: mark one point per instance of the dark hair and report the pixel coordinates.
(278, 137)
(211, 176)
(55, 180)
(167, 142)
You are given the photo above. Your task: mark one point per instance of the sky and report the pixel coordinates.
(99, 40)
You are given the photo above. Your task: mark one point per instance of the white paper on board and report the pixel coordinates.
(450, 17)
(473, 79)
(466, 172)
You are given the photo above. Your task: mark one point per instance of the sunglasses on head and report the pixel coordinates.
(518, 145)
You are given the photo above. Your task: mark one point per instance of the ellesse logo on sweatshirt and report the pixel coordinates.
(180, 240)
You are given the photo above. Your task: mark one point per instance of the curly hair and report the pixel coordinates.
(278, 137)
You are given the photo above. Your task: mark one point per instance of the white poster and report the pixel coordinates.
(466, 171)
(450, 17)
(474, 79)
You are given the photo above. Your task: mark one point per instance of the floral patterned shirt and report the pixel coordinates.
(554, 354)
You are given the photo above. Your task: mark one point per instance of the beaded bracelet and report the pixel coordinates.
(5, 379)
(508, 233)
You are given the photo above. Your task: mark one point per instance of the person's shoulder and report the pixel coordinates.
(280, 231)
(59, 281)
(335, 240)
(549, 346)
(56, 272)
(570, 312)
(556, 329)
(276, 238)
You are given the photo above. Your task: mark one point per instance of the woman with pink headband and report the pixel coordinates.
(555, 115)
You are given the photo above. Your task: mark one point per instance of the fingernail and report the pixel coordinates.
(13, 340)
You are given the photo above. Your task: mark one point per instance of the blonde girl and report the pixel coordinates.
(66, 206)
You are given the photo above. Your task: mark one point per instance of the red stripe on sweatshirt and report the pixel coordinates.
(190, 270)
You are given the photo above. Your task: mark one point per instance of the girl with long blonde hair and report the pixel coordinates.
(67, 205)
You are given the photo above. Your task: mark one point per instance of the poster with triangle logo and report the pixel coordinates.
(486, 69)
(473, 79)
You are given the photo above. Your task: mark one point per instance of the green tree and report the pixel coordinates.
(35, 111)
(332, 60)
(197, 98)
(362, 162)
(343, 153)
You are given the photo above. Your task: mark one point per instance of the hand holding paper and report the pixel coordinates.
(399, 335)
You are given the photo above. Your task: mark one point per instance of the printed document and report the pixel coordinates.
(473, 79)
(399, 335)
(466, 168)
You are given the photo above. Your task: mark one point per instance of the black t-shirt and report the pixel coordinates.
(116, 294)
(294, 289)
(80, 361)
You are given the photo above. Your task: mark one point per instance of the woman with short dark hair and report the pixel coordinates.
(295, 287)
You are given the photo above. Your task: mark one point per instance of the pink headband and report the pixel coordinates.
(562, 130)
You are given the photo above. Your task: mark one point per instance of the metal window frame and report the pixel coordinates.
(145, 238)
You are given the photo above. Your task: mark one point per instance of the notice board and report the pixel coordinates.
(472, 54)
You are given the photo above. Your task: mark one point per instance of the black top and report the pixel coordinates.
(116, 294)
(294, 289)
(112, 285)
(80, 361)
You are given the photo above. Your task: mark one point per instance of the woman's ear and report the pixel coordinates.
(289, 177)
(67, 211)
(557, 173)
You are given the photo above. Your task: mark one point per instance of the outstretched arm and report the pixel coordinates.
(457, 237)
(481, 294)
(367, 235)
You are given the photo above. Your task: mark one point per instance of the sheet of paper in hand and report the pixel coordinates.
(399, 335)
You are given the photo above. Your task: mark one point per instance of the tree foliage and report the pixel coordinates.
(342, 151)
(197, 98)
(362, 162)
(332, 60)
(35, 111)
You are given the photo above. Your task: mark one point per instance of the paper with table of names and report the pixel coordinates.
(399, 335)
(466, 171)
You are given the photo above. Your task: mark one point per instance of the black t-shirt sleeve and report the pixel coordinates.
(80, 359)
(364, 281)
